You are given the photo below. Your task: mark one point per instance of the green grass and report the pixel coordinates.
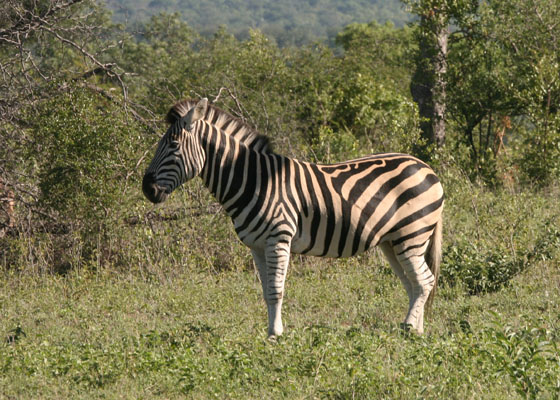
(176, 311)
(203, 334)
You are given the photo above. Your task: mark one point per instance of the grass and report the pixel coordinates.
(182, 316)
(102, 335)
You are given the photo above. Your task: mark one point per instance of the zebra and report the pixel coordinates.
(281, 206)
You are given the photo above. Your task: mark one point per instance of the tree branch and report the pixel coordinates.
(30, 21)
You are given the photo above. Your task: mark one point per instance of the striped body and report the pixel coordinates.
(280, 205)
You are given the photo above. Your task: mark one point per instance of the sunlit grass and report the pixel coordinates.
(201, 334)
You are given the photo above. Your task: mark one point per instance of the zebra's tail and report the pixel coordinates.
(433, 258)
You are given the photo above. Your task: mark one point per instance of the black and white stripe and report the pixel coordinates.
(280, 205)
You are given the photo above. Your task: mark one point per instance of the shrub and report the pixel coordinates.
(84, 152)
(81, 151)
(484, 267)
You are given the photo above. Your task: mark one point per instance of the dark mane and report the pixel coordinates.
(229, 124)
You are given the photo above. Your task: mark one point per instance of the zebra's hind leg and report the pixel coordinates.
(397, 268)
(420, 278)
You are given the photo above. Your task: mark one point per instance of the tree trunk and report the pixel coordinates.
(438, 95)
(7, 203)
(428, 83)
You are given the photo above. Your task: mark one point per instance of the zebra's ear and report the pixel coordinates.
(196, 113)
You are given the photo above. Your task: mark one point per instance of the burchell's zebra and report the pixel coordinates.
(280, 206)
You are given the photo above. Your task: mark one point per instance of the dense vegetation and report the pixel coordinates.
(288, 22)
(103, 295)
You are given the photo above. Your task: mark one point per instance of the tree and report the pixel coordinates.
(480, 87)
(359, 102)
(528, 32)
(47, 48)
(62, 97)
(43, 45)
(429, 82)
(380, 50)
(503, 85)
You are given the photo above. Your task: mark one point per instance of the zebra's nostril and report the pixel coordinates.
(149, 187)
(152, 191)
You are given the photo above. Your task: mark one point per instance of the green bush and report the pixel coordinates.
(84, 152)
(477, 268)
(81, 152)
(529, 357)
(483, 265)
(539, 158)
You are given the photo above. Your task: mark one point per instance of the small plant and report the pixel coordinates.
(484, 262)
(478, 269)
(529, 356)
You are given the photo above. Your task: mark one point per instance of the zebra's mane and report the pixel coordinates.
(232, 126)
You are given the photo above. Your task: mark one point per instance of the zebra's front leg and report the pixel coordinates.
(260, 260)
(277, 260)
(272, 275)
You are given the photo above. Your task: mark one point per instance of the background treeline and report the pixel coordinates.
(82, 102)
(288, 22)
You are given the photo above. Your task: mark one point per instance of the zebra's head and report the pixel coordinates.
(179, 156)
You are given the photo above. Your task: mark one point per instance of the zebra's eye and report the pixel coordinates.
(175, 142)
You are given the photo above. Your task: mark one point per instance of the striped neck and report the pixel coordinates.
(225, 162)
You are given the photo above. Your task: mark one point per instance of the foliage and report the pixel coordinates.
(358, 109)
(479, 269)
(80, 153)
(539, 64)
(522, 353)
(83, 155)
(163, 49)
(429, 80)
(381, 50)
(492, 236)
(504, 81)
(319, 98)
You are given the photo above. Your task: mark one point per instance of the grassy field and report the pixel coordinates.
(186, 323)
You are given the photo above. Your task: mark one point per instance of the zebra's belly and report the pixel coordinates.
(336, 245)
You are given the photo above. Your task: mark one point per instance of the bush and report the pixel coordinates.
(490, 236)
(477, 268)
(81, 152)
(84, 155)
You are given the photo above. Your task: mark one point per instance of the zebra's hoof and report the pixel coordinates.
(407, 328)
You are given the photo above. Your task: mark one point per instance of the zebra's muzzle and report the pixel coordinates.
(153, 192)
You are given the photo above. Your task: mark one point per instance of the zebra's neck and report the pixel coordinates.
(227, 166)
